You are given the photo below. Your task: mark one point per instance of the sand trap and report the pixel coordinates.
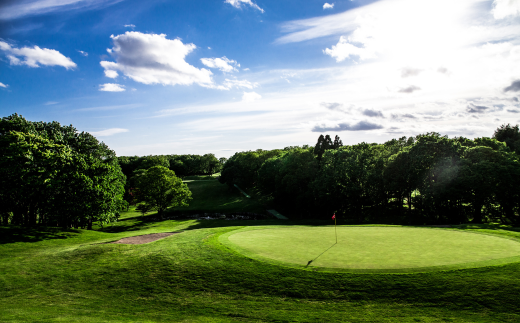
(145, 238)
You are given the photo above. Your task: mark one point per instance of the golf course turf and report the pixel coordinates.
(53, 275)
(49, 275)
(372, 248)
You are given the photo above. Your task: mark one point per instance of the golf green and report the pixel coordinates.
(372, 249)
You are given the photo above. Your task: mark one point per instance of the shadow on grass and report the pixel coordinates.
(139, 222)
(311, 261)
(130, 224)
(486, 226)
(21, 234)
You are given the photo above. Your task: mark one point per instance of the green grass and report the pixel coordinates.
(211, 196)
(373, 249)
(48, 275)
(51, 276)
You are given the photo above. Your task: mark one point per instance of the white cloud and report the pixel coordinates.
(20, 8)
(111, 87)
(245, 69)
(108, 132)
(328, 5)
(154, 59)
(130, 26)
(83, 53)
(111, 74)
(238, 3)
(229, 84)
(251, 96)
(223, 64)
(3, 85)
(50, 103)
(505, 8)
(36, 56)
(344, 49)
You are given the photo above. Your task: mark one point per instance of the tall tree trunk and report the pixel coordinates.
(477, 212)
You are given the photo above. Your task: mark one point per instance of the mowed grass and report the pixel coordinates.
(52, 276)
(371, 249)
(48, 275)
(212, 196)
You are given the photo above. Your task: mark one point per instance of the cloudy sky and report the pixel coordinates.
(220, 76)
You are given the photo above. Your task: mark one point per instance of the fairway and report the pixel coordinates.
(373, 249)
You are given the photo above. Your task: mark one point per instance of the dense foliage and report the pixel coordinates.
(424, 179)
(182, 165)
(158, 188)
(53, 175)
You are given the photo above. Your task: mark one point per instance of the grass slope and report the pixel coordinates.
(190, 277)
(211, 196)
(47, 275)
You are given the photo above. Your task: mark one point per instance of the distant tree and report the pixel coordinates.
(159, 189)
(287, 178)
(242, 168)
(209, 164)
(146, 162)
(337, 142)
(325, 143)
(510, 135)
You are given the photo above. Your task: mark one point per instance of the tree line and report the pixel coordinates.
(54, 175)
(428, 178)
(182, 165)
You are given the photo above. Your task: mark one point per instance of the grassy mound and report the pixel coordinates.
(373, 249)
(48, 275)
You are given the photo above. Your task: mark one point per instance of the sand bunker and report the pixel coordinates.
(145, 238)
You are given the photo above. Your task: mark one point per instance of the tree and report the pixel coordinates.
(159, 188)
(54, 175)
(510, 135)
(324, 143)
(337, 142)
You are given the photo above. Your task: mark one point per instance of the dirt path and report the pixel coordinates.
(145, 238)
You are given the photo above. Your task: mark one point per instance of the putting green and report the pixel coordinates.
(372, 249)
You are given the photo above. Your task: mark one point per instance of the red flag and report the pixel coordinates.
(334, 216)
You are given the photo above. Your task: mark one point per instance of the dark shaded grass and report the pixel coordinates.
(214, 197)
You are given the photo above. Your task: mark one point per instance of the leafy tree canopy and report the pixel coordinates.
(159, 188)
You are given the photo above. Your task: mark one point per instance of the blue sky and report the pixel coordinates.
(196, 77)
